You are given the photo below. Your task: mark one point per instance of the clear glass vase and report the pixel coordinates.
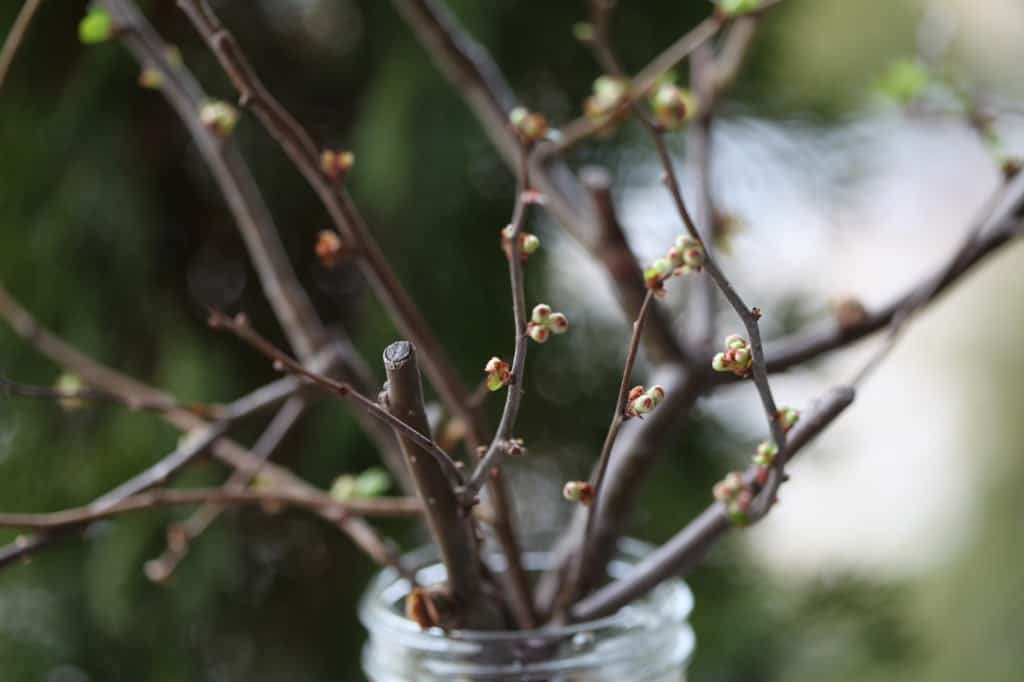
(648, 641)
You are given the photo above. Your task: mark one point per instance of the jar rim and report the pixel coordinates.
(670, 602)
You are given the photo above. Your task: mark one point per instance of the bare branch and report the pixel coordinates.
(326, 507)
(499, 446)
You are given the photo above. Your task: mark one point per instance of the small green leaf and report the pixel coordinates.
(95, 27)
(494, 382)
(344, 488)
(373, 482)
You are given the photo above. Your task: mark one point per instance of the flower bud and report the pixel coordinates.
(643, 404)
(220, 117)
(541, 313)
(335, 163)
(538, 333)
(498, 374)
(789, 416)
(558, 323)
(69, 386)
(718, 363)
(766, 452)
(529, 243)
(530, 126)
(673, 106)
(578, 491)
(736, 341)
(328, 248)
(150, 78)
(657, 392)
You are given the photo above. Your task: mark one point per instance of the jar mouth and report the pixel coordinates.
(668, 604)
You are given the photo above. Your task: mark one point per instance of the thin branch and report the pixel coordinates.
(239, 326)
(14, 37)
(325, 507)
(499, 447)
(92, 395)
(573, 586)
(686, 548)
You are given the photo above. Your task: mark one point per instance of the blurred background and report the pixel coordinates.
(896, 551)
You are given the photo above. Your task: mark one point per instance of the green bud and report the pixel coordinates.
(95, 27)
(344, 488)
(718, 363)
(530, 243)
(218, 116)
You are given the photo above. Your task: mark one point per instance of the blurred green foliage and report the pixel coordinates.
(113, 234)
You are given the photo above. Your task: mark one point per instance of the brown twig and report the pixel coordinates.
(573, 586)
(14, 37)
(92, 395)
(499, 447)
(326, 507)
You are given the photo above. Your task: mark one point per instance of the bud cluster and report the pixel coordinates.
(336, 163)
(686, 255)
(543, 322)
(530, 126)
(606, 104)
(499, 374)
(673, 106)
(528, 243)
(736, 495)
(641, 401)
(578, 491)
(219, 117)
(736, 358)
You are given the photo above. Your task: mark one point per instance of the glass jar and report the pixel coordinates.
(647, 641)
